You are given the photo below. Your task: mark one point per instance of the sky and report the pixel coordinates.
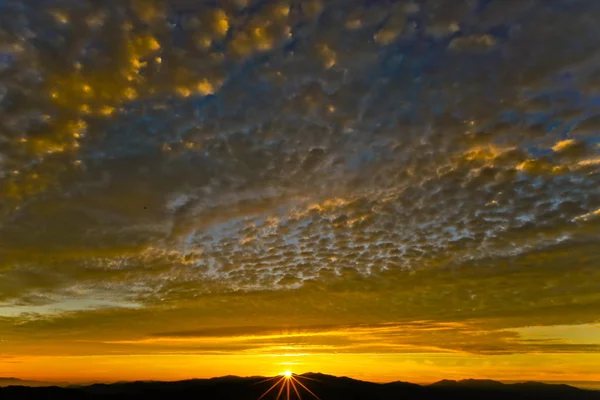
(388, 190)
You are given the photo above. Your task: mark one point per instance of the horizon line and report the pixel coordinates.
(581, 384)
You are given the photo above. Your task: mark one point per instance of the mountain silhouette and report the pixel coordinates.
(9, 381)
(324, 387)
(475, 383)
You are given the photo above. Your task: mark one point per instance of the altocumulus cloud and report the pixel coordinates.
(182, 165)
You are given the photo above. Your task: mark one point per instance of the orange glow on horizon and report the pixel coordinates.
(418, 368)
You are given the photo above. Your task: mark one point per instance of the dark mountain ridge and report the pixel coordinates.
(10, 381)
(326, 387)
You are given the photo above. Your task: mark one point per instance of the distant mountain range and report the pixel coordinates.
(22, 382)
(308, 386)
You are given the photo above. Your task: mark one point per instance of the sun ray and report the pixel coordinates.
(287, 379)
(306, 377)
(266, 380)
(280, 390)
(295, 389)
(271, 388)
(308, 390)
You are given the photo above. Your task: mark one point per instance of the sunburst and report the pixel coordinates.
(288, 381)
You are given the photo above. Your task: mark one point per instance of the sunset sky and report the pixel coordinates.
(388, 190)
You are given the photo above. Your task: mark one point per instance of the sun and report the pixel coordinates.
(287, 374)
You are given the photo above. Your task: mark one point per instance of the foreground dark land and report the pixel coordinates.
(326, 387)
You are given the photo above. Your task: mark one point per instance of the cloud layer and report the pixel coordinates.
(197, 169)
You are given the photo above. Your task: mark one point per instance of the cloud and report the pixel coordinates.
(299, 164)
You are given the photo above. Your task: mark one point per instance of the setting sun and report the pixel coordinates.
(289, 383)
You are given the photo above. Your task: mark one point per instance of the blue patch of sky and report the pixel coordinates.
(215, 233)
(6, 58)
